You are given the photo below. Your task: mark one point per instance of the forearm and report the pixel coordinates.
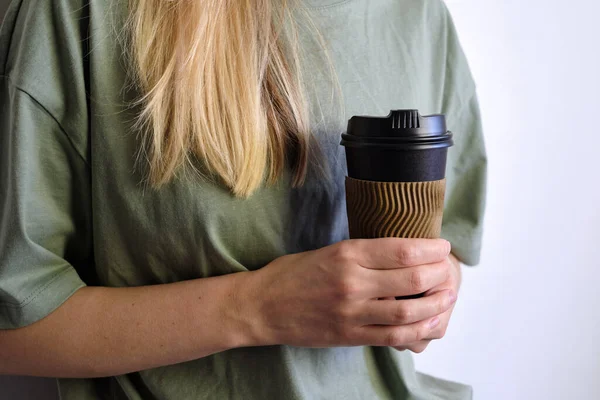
(113, 331)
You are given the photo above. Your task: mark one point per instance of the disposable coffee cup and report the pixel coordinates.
(396, 174)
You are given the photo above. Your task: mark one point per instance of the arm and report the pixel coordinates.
(112, 331)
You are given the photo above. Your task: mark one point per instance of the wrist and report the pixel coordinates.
(248, 326)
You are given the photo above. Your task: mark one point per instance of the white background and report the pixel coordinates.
(527, 324)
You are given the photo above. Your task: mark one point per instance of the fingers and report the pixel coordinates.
(405, 312)
(438, 333)
(392, 253)
(406, 281)
(415, 347)
(397, 336)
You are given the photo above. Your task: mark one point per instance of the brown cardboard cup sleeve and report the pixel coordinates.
(395, 209)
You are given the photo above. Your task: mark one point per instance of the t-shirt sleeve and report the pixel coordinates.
(466, 185)
(467, 162)
(44, 210)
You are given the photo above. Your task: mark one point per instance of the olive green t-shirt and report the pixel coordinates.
(74, 210)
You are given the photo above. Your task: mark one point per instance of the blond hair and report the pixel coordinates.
(221, 83)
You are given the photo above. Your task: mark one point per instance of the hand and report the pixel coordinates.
(330, 297)
(452, 284)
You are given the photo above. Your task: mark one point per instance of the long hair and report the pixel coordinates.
(221, 83)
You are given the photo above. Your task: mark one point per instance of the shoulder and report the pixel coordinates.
(433, 12)
(44, 53)
(426, 23)
(45, 47)
(40, 38)
(30, 25)
(437, 46)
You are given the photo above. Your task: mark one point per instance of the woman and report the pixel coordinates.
(173, 224)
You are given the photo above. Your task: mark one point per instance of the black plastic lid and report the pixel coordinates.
(401, 129)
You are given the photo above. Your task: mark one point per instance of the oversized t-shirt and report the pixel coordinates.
(75, 210)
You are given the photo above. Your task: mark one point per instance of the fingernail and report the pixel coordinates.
(449, 246)
(452, 297)
(434, 322)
